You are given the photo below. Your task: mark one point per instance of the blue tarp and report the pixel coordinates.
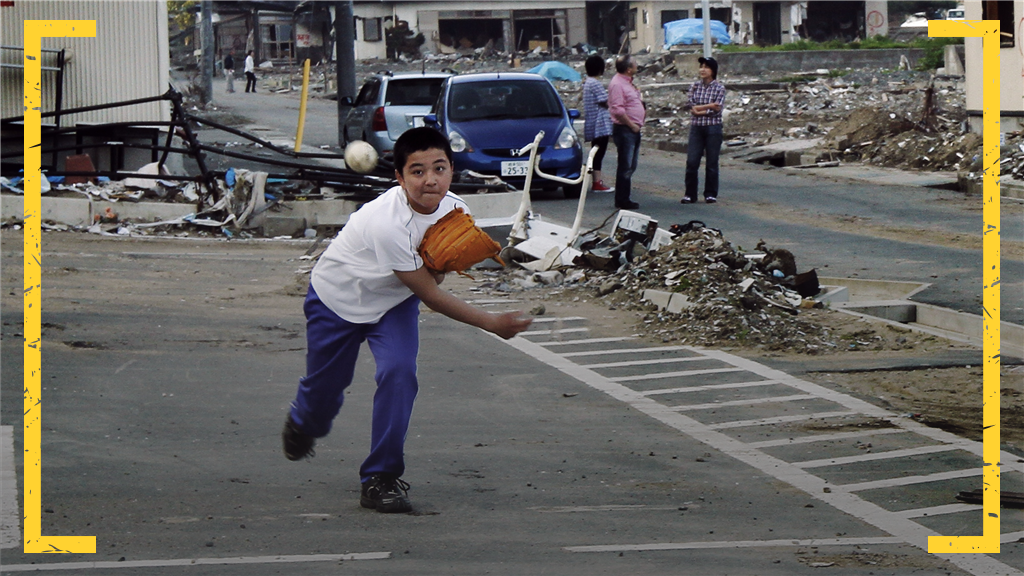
(691, 31)
(556, 71)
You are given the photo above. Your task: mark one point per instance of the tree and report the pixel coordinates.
(182, 13)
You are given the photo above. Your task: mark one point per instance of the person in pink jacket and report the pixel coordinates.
(628, 111)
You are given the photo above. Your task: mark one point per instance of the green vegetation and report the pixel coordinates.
(182, 12)
(931, 59)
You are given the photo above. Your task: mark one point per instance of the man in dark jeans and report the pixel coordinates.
(706, 98)
(628, 112)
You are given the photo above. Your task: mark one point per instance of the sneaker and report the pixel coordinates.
(385, 494)
(297, 444)
(627, 205)
(600, 188)
(687, 200)
(711, 199)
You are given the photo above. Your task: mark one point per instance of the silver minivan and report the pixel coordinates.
(388, 105)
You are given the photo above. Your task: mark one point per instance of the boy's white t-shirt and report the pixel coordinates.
(355, 276)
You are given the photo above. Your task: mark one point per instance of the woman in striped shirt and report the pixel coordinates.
(597, 125)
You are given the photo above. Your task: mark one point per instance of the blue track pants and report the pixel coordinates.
(332, 348)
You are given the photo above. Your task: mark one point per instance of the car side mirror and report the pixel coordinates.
(573, 113)
(430, 119)
(346, 100)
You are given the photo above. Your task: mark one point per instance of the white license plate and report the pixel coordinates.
(417, 122)
(515, 168)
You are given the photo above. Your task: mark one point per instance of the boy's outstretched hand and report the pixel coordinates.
(508, 324)
(423, 283)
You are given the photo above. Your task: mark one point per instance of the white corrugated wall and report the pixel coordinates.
(128, 59)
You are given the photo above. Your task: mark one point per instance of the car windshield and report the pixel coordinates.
(413, 91)
(502, 99)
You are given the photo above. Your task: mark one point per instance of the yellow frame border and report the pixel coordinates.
(988, 542)
(35, 542)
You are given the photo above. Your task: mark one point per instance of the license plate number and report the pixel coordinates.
(515, 168)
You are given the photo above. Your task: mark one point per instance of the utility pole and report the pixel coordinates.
(206, 65)
(344, 41)
(706, 14)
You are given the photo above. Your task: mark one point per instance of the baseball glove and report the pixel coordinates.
(454, 244)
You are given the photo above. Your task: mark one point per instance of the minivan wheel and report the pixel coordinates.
(572, 191)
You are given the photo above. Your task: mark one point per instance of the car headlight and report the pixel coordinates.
(567, 139)
(458, 143)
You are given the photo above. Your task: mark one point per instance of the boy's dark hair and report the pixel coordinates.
(594, 65)
(623, 63)
(418, 140)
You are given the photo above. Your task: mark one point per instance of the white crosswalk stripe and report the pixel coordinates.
(808, 429)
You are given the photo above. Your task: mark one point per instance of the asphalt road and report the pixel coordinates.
(168, 366)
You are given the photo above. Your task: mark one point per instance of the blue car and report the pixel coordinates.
(488, 116)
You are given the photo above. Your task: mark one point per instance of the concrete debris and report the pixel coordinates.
(700, 290)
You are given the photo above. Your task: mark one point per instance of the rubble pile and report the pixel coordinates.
(896, 118)
(729, 298)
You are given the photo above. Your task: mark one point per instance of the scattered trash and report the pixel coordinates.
(1006, 499)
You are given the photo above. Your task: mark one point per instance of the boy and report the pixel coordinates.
(368, 285)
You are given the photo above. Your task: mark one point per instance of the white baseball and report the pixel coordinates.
(360, 157)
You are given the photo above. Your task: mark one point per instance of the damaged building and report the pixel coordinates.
(501, 26)
(1011, 65)
(761, 23)
(279, 32)
(86, 72)
(618, 26)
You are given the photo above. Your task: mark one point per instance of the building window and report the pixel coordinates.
(277, 41)
(372, 30)
(673, 15)
(632, 23)
(1002, 11)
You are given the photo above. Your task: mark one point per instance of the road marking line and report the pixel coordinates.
(735, 544)
(938, 510)
(604, 508)
(850, 402)
(10, 521)
(674, 374)
(584, 341)
(559, 319)
(779, 420)
(491, 302)
(903, 529)
(826, 437)
(876, 456)
(552, 332)
(624, 351)
(709, 387)
(196, 562)
(908, 480)
(645, 362)
(747, 402)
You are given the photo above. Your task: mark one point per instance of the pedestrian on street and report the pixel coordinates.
(597, 125)
(367, 286)
(250, 72)
(628, 112)
(229, 72)
(705, 100)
